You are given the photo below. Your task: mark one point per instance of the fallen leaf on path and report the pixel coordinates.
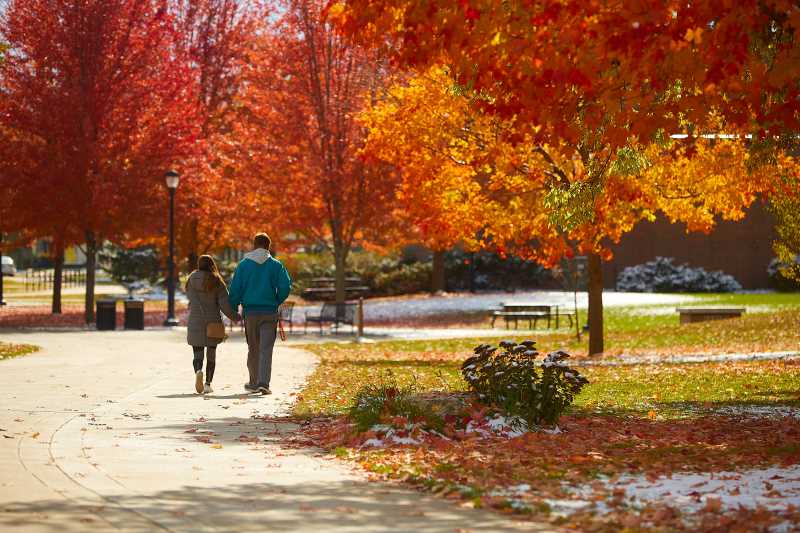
(35, 435)
(713, 505)
(217, 446)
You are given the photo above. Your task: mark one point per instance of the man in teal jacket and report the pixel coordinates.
(260, 284)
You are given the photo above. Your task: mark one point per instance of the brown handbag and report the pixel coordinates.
(215, 331)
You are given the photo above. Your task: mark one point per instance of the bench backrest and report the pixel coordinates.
(345, 312)
(527, 308)
(285, 310)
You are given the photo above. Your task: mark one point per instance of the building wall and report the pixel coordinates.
(742, 249)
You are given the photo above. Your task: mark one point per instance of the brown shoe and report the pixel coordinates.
(198, 381)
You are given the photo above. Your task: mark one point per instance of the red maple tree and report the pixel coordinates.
(305, 90)
(97, 104)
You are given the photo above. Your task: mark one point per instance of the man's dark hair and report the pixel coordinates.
(262, 240)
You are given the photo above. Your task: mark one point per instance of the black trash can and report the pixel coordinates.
(134, 313)
(106, 314)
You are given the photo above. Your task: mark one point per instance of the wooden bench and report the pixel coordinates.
(325, 288)
(689, 315)
(517, 312)
(532, 313)
(334, 314)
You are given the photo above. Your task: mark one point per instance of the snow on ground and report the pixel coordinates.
(658, 310)
(758, 411)
(498, 425)
(773, 488)
(399, 309)
(688, 358)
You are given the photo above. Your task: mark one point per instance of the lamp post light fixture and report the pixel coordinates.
(172, 179)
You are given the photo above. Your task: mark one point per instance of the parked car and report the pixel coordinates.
(8, 266)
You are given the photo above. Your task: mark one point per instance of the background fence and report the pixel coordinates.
(39, 280)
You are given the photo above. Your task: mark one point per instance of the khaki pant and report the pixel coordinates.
(260, 331)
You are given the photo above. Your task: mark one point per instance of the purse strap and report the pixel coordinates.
(202, 308)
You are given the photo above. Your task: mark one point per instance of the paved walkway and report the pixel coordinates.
(101, 431)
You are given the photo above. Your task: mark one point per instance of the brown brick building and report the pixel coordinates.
(742, 249)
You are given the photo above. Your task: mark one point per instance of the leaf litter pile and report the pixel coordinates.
(712, 447)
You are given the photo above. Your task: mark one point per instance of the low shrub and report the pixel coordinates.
(490, 271)
(404, 279)
(511, 379)
(662, 275)
(782, 276)
(379, 403)
(133, 268)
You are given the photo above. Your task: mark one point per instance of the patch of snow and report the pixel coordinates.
(773, 488)
(520, 489)
(568, 507)
(403, 440)
(758, 411)
(392, 435)
(519, 505)
(689, 358)
(498, 425)
(464, 302)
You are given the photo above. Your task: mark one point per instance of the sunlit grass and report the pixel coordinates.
(670, 389)
(8, 350)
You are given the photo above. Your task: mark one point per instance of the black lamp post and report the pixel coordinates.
(2, 301)
(172, 178)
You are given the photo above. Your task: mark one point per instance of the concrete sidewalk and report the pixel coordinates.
(102, 431)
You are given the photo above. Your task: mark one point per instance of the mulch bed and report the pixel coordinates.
(21, 317)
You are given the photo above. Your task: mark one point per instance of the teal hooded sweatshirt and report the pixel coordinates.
(260, 283)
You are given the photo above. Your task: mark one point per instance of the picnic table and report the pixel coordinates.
(532, 312)
(325, 288)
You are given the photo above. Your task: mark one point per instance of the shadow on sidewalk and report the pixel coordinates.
(234, 430)
(295, 503)
(212, 396)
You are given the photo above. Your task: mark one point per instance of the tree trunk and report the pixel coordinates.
(193, 253)
(437, 277)
(340, 263)
(91, 263)
(595, 267)
(58, 278)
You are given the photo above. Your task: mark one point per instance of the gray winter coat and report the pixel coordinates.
(204, 308)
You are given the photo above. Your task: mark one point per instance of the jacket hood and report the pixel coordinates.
(259, 255)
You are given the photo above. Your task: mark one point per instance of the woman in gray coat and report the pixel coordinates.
(207, 295)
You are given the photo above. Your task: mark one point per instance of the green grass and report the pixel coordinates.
(669, 389)
(688, 388)
(8, 350)
(639, 330)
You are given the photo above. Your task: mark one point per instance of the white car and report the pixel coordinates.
(8, 266)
